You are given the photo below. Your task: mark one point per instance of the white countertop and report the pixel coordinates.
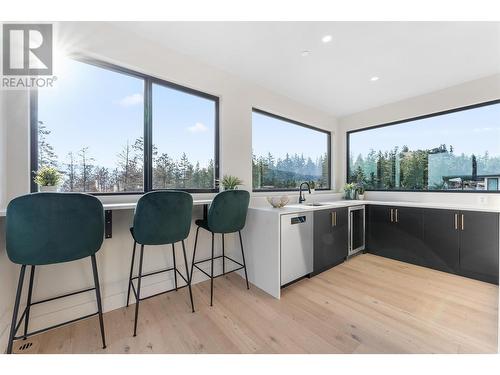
(129, 206)
(296, 208)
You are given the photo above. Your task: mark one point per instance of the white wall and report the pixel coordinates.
(237, 97)
(477, 91)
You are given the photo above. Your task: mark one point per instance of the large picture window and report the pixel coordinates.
(111, 130)
(457, 150)
(287, 153)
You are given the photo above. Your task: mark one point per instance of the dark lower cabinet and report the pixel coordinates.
(479, 245)
(441, 240)
(380, 229)
(330, 238)
(396, 232)
(460, 242)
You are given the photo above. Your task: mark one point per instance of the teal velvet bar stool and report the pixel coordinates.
(51, 228)
(227, 214)
(160, 218)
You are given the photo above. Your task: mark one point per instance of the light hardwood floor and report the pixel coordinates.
(366, 305)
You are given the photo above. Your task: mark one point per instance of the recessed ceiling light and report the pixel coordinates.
(374, 78)
(305, 53)
(326, 39)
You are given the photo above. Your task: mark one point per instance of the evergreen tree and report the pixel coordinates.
(46, 155)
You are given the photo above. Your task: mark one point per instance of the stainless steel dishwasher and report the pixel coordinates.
(296, 246)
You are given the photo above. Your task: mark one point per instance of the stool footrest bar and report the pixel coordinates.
(62, 296)
(56, 326)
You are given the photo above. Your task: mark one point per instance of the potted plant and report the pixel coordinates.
(229, 182)
(47, 179)
(361, 191)
(349, 191)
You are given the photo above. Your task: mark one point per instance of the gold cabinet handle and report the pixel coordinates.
(462, 221)
(335, 218)
(397, 216)
(456, 221)
(332, 217)
(392, 215)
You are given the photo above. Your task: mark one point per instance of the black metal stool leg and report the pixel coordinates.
(99, 301)
(187, 274)
(194, 254)
(28, 302)
(223, 256)
(16, 309)
(131, 272)
(138, 290)
(212, 275)
(243, 256)
(175, 266)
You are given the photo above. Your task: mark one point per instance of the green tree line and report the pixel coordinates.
(288, 172)
(431, 169)
(82, 173)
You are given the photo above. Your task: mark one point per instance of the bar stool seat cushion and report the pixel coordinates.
(49, 228)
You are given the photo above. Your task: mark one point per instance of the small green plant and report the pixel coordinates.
(47, 176)
(360, 187)
(312, 185)
(230, 182)
(349, 187)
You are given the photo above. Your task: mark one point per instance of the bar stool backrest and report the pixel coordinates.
(228, 211)
(163, 217)
(48, 228)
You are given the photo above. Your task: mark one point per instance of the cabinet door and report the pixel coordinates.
(396, 234)
(330, 238)
(408, 234)
(479, 245)
(380, 231)
(340, 235)
(441, 240)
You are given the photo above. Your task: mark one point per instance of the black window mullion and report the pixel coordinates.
(148, 136)
(34, 138)
(216, 146)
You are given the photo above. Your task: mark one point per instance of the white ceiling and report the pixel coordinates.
(411, 58)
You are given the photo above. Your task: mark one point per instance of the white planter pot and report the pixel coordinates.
(47, 189)
(361, 197)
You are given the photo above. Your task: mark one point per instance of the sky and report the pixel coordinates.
(90, 106)
(103, 110)
(470, 132)
(280, 137)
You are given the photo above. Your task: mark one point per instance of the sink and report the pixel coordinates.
(303, 205)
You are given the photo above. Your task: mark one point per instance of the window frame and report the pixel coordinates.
(147, 129)
(421, 117)
(310, 127)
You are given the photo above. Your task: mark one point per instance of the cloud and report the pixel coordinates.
(197, 128)
(131, 100)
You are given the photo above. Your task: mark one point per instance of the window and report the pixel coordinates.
(286, 153)
(111, 130)
(187, 160)
(492, 183)
(457, 150)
